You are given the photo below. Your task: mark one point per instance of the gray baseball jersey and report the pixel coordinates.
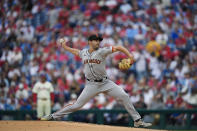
(94, 63)
(94, 69)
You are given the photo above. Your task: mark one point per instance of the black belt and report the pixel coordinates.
(101, 80)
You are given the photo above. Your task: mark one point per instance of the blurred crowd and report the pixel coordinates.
(161, 34)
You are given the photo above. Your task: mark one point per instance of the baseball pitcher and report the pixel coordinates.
(96, 78)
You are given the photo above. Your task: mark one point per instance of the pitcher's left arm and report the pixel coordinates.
(123, 50)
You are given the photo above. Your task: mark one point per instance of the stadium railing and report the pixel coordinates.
(163, 119)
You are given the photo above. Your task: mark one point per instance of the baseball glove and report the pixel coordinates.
(125, 64)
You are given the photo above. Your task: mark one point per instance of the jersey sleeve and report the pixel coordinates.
(106, 51)
(51, 87)
(35, 88)
(81, 53)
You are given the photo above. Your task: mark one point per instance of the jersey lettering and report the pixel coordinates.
(92, 61)
(43, 88)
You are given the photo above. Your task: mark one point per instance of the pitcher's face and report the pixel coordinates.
(95, 44)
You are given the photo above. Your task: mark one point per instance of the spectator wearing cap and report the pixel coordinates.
(17, 56)
(21, 92)
(162, 37)
(43, 96)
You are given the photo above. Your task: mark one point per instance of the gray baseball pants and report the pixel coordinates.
(92, 89)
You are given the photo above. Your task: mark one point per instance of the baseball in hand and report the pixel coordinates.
(61, 41)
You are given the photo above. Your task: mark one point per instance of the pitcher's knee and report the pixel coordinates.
(124, 97)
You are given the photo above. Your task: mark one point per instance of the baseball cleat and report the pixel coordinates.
(141, 123)
(47, 118)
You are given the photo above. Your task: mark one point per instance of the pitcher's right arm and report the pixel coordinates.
(62, 42)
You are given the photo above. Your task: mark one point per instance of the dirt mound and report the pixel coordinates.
(59, 126)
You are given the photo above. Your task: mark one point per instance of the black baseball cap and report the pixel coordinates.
(95, 37)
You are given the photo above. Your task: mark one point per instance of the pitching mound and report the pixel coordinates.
(59, 126)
